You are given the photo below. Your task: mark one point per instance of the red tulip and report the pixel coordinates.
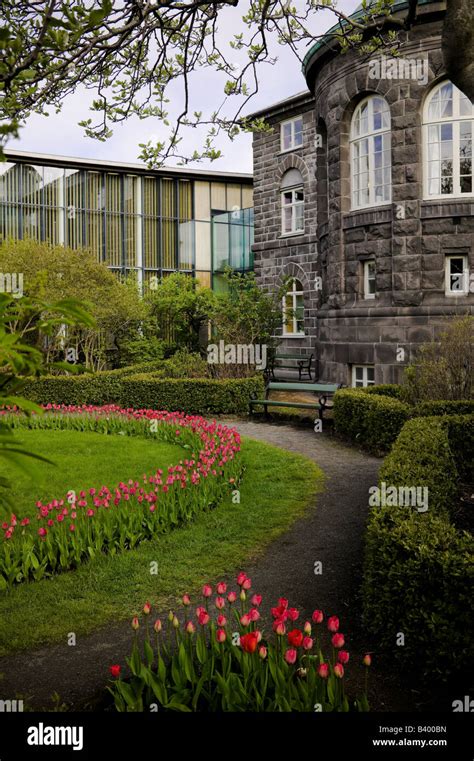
(249, 642)
(343, 656)
(42, 531)
(338, 640)
(323, 670)
(291, 655)
(317, 616)
(203, 618)
(333, 624)
(221, 635)
(247, 584)
(241, 578)
(339, 670)
(283, 603)
(295, 638)
(253, 614)
(115, 670)
(221, 620)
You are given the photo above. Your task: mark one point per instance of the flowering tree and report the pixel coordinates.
(131, 53)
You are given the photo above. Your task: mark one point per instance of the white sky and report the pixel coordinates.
(60, 134)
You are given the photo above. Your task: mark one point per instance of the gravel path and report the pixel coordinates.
(331, 533)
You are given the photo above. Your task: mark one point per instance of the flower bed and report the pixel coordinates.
(218, 659)
(76, 527)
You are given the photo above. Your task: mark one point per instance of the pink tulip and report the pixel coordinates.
(221, 620)
(253, 614)
(247, 584)
(42, 531)
(221, 635)
(307, 628)
(293, 614)
(343, 656)
(262, 651)
(220, 603)
(256, 600)
(279, 628)
(186, 600)
(189, 628)
(203, 618)
(241, 578)
(232, 597)
(283, 603)
(157, 626)
(307, 643)
(290, 655)
(221, 588)
(323, 670)
(245, 620)
(338, 640)
(206, 590)
(339, 670)
(317, 616)
(333, 624)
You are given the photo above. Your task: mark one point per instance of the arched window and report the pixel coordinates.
(292, 203)
(448, 127)
(293, 310)
(371, 165)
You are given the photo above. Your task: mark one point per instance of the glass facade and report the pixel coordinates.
(149, 224)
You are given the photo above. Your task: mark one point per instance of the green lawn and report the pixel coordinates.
(276, 489)
(82, 460)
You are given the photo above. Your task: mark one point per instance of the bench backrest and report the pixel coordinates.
(328, 388)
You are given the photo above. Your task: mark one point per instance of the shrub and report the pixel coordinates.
(421, 457)
(444, 407)
(219, 659)
(141, 350)
(385, 389)
(185, 364)
(460, 429)
(418, 568)
(202, 396)
(418, 579)
(372, 420)
(444, 369)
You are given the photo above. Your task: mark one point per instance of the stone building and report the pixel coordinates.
(363, 196)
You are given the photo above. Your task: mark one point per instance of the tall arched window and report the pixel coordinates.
(293, 310)
(371, 165)
(448, 127)
(292, 203)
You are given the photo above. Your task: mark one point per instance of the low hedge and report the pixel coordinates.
(190, 395)
(372, 420)
(460, 430)
(202, 396)
(385, 389)
(418, 568)
(444, 407)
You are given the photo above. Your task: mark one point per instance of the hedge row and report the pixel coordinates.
(444, 407)
(419, 569)
(385, 389)
(460, 430)
(372, 420)
(201, 396)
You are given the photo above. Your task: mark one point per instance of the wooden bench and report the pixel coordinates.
(303, 363)
(322, 389)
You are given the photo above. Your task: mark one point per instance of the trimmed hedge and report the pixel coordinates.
(419, 569)
(372, 420)
(190, 395)
(444, 407)
(421, 456)
(200, 396)
(385, 389)
(460, 429)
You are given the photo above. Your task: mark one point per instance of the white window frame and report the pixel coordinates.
(447, 279)
(293, 146)
(294, 291)
(366, 266)
(455, 120)
(293, 205)
(370, 135)
(365, 381)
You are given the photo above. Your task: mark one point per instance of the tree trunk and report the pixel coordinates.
(458, 44)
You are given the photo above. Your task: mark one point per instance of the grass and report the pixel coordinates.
(276, 489)
(82, 460)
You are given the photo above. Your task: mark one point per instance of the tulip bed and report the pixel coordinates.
(217, 658)
(77, 527)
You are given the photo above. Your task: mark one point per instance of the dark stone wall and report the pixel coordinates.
(408, 238)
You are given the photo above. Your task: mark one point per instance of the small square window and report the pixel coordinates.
(457, 275)
(363, 376)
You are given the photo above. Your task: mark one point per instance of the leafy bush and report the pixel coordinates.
(185, 364)
(418, 570)
(372, 420)
(444, 369)
(446, 407)
(418, 580)
(221, 660)
(202, 396)
(385, 389)
(460, 429)
(421, 456)
(73, 527)
(132, 351)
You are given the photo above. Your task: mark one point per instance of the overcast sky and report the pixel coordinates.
(60, 134)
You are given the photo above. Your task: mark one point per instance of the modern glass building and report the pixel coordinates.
(151, 222)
